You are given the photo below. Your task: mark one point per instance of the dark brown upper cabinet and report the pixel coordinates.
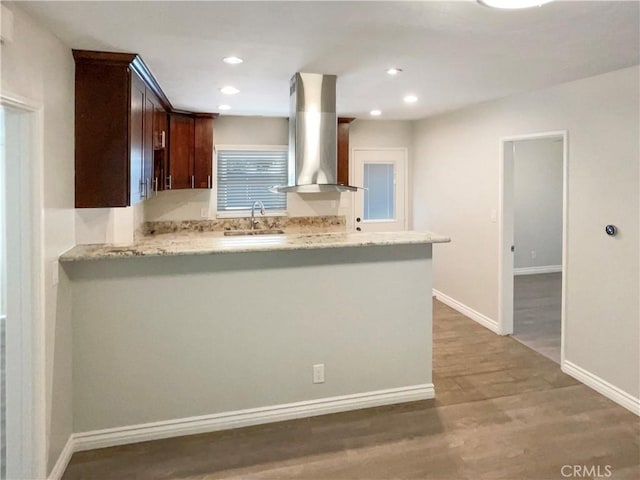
(190, 151)
(181, 151)
(122, 134)
(203, 152)
(138, 182)
(114, 133)
(344, 124)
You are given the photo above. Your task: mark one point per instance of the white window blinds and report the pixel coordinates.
(244, 176)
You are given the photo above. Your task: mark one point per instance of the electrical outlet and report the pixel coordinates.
(533, 254)
(204, 212)
(318, 373)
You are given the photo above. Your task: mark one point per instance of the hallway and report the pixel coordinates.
(537, 305)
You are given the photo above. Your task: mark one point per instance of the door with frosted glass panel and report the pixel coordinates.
(381, 206)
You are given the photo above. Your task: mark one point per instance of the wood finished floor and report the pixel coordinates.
(537, 304)
(501, 411)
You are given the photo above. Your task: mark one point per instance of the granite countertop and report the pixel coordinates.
(206, 243)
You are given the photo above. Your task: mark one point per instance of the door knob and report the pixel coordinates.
(358, 219)
(358, 229)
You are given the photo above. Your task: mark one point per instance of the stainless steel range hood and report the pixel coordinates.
(313, 123)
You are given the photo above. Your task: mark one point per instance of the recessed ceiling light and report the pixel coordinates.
(513, 4)
(410, 99)
(229, 90)
(394, 71)
(375, 113)
(232, 60)
(224, 107)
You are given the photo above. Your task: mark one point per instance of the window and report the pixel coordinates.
(379, 191)
(245, 174)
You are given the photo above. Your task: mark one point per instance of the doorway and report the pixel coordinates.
(532, 272)
(3, 302)
(21, 399)
(381, 206)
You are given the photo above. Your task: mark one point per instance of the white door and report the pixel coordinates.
(3, 308)
(16, 414)
(381, 206)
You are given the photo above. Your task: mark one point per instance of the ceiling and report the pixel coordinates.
(453, 54)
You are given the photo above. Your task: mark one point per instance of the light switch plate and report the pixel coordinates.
(204, 212)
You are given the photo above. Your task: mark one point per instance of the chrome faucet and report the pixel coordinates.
(254, 222)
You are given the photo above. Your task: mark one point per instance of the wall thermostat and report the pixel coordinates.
(611, 230)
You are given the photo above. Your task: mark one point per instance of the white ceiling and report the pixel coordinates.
(453, 53)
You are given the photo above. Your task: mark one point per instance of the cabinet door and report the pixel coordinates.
(147, 169)
(102, 144)
(136, 139)
(343, 150)
(181, 151)
(203, 161)
(161, 140)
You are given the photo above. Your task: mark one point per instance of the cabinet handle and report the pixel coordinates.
(209, 181)
(193, 181)
(162, 139)
(169, 182)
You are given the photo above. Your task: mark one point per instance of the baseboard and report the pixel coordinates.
(243, 418)
(468, 312)
(537, 270)
(63, 460)
(603, 387)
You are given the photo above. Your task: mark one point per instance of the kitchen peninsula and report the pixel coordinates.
(189, 332)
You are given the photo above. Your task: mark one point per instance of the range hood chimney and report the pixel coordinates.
(313, 146)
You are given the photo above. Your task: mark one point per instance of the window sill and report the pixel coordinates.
(247, 213)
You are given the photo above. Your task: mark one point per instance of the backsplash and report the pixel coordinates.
(307, 224)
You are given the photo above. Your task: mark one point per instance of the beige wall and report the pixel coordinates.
(115, 226)
(381, 134)
(234, 130)
(455, 185)
(36, 65)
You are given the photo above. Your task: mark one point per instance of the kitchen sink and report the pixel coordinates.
(237, 233)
